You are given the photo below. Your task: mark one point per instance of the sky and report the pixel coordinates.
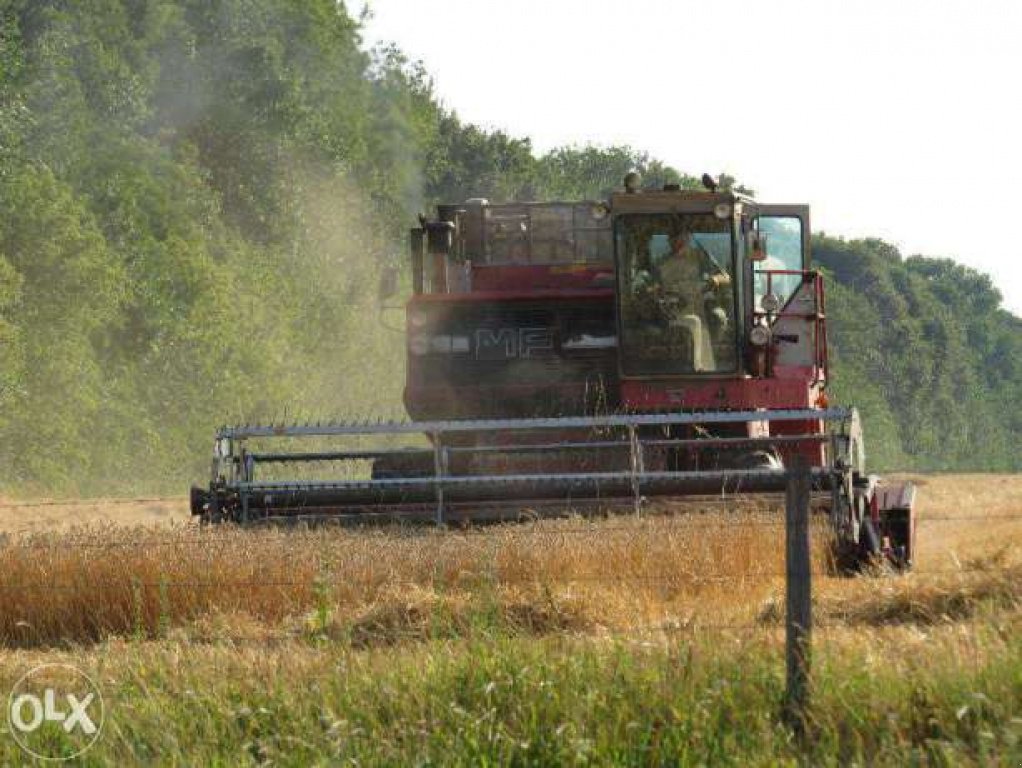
(897, 119)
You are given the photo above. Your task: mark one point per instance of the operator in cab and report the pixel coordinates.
(690, 282)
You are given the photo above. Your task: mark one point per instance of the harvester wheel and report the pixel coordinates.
(526, 516)
(870, 545)
(853, 552)
(759, 460)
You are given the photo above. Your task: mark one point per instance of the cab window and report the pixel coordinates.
(784, 254)
(676, 294)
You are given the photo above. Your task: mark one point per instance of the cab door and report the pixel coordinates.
(797, 326)
(788, 238)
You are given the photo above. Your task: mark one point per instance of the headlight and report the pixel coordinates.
(759, 335)
(771, 303)
(417, 318)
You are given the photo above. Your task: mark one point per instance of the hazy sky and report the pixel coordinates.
(895, 119)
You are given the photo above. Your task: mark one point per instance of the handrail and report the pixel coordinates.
(818, 314)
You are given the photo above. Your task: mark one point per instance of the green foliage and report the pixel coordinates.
(574, 173)
(183, 237)
(196, 198)
(69, 293)
(12, 351)
(504, 700)
(921, 346)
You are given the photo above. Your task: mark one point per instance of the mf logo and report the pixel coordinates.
(55, 712)
(511, 343)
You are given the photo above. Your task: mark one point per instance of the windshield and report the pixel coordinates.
(676, 294)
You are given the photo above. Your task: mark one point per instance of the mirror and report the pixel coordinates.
(388, 283)
(756, 245)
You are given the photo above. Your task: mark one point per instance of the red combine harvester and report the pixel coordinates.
(663, 343)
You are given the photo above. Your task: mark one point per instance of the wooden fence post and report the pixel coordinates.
(799, 594)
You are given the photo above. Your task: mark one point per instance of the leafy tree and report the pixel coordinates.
(69, 287)
(922, 345)
(196, 198)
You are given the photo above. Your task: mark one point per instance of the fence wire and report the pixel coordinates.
(118, 501)
(468, 579)
(642, 525)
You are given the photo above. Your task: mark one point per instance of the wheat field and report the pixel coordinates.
(144, 569)
(571, 640)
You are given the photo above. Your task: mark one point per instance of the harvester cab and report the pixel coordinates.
(561, 355)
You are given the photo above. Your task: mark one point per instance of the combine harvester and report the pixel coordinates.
(663, 343)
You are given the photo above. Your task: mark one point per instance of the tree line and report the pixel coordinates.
(196, 197)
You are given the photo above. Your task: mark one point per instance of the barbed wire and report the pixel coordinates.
(468, 579)
(321, 583)
(361, 637)
(90, 502)
(229, 534)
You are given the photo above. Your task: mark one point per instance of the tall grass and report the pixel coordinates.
(494, 699)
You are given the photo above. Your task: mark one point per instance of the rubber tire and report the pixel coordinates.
(759, 460)
(870, 548)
